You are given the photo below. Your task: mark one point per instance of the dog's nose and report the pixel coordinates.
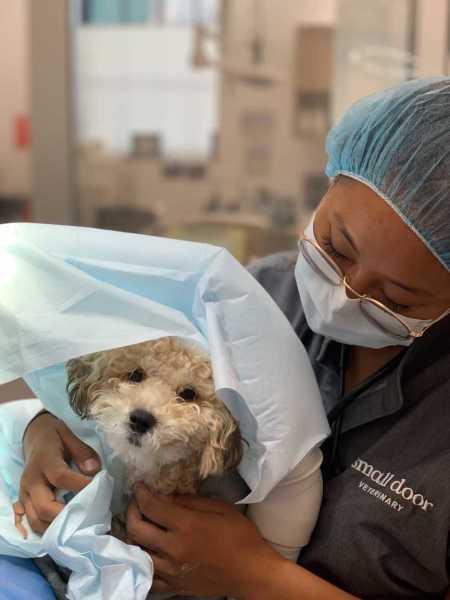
(141, 421)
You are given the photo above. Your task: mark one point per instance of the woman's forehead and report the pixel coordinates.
(382, 238)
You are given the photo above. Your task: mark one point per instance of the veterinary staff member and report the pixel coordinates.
(368, 294)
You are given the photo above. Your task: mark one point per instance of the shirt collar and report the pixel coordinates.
(384, 398)
(329, 354)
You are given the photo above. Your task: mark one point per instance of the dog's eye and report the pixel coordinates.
(136, 376)
(187, 394)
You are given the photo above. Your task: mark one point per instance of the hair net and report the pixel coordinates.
(398, 143)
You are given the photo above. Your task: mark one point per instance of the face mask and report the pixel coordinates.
(331, 313)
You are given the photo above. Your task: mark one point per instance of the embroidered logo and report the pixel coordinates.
(390, 483)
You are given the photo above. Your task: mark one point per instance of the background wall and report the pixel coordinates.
(14, 100)
(14, 94)
(293, 158)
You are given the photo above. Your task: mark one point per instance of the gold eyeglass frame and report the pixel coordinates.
(359, 297)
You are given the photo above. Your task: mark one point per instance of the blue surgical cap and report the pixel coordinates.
(398, 143)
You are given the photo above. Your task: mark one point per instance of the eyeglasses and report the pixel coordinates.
(375, 311)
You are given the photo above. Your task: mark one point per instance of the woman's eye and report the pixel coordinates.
(327, 245)
(136, 376)
(394, 306)
(188, 394)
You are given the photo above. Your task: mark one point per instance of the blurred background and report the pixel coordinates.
(197, 119)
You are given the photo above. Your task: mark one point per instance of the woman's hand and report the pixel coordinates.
(48, 448)
(199, 546)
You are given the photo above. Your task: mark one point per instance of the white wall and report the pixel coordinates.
(138, 78)
(14, 94)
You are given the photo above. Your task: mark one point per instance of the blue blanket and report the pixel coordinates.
(20, 579)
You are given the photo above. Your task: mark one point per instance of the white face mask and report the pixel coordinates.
(331, 313)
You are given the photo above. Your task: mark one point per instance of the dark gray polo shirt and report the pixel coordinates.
(383, 529)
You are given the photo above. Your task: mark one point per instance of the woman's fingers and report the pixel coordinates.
(164, 568)
(160, 510)
(203, 504)
(81, 454)
(169, 577)
(40, 487)
(44, 499)
(36, 523)
(63, 477)
(35, 486)
(161, 586)
(142, 532)
(170, 568)
(48, 444)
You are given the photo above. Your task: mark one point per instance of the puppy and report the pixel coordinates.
(155, 402)
(156, 405)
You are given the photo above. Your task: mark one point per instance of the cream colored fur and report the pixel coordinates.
(190, 440)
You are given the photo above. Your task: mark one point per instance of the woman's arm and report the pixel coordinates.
(205, 547)
(292, 582)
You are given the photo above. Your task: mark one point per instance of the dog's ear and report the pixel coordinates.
(78, 371)
(233, 453)
(224, 450)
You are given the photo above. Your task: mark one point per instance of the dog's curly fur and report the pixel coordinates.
(167, 383)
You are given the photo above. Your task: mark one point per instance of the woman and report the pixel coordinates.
(368, 295)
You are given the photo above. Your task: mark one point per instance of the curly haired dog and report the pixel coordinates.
(156, 404)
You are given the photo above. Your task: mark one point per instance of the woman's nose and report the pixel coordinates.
(358, 283)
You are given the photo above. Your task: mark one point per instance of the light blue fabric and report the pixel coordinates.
(68, 291)
(20, 579)
(103, 567)
(398, 142)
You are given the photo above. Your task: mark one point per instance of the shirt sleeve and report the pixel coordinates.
(287, 516)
